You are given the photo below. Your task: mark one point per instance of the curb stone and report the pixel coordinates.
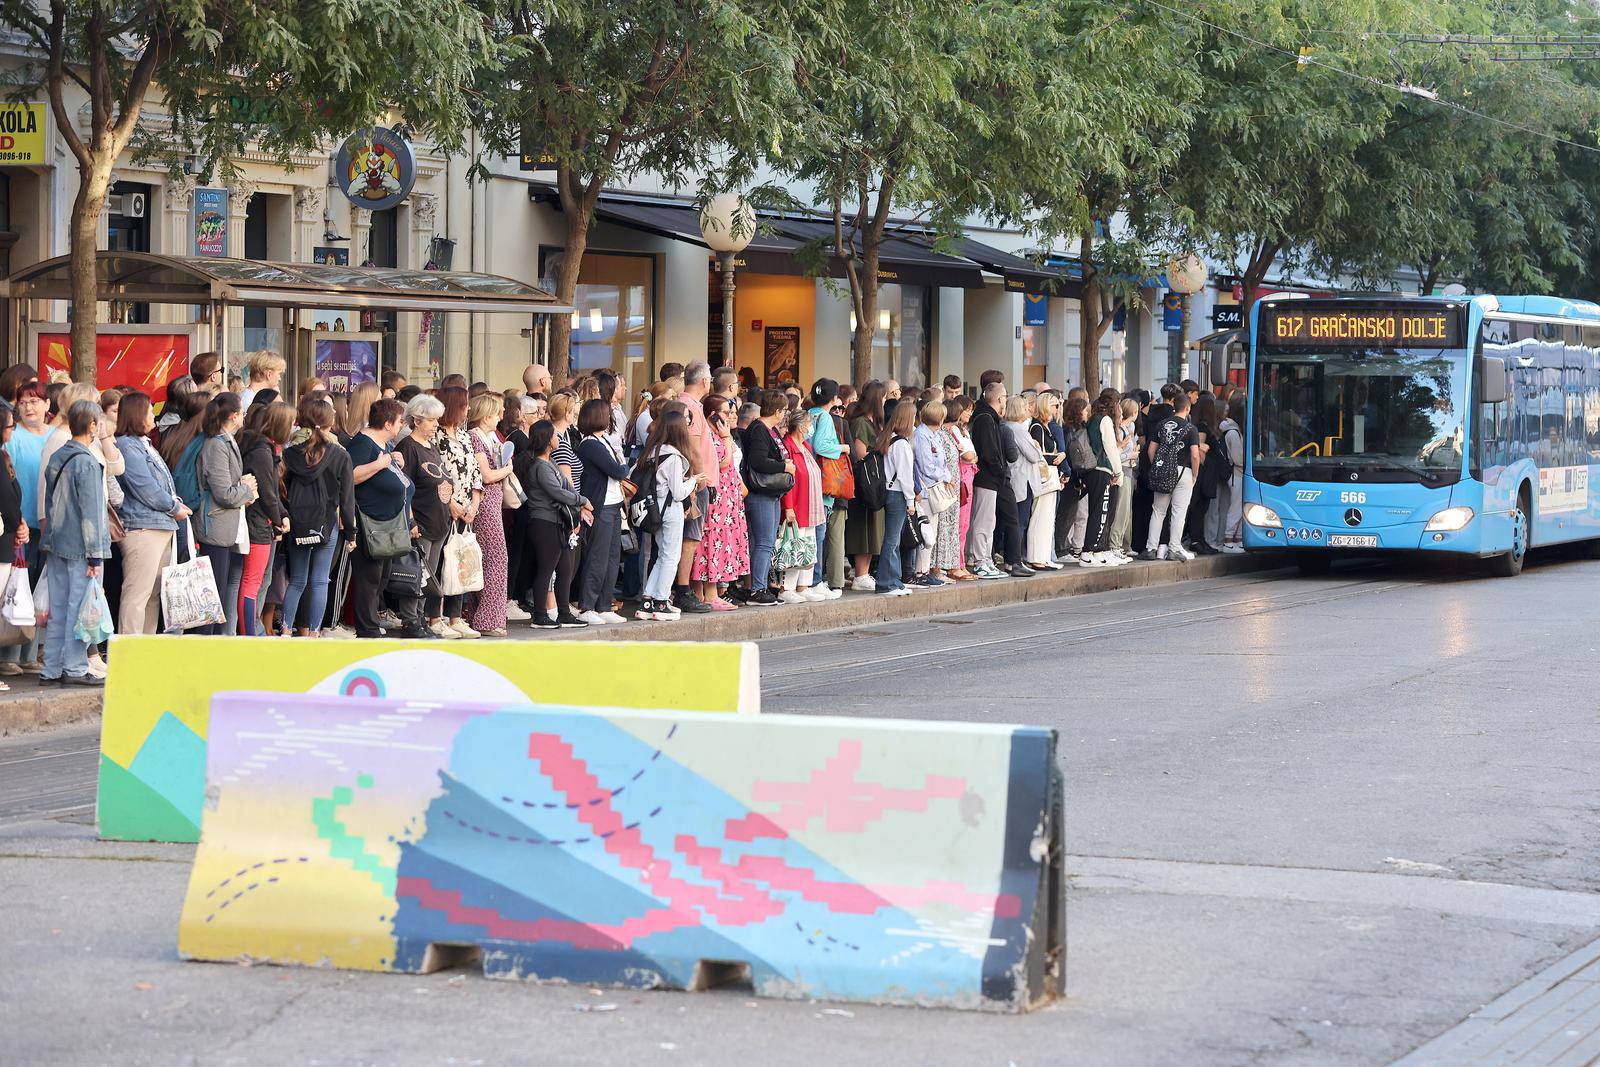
(42, 710)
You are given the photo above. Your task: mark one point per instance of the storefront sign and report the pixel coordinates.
(1172, 312)
(376, 168)
(331, 257)
(211, 222)
(21, 134)
(1035, 309)
(1228, 316)
(780, 346)
(534, 157)
(343, 364)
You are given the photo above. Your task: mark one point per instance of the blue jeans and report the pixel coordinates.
(69, 584)
(894, 523)
(227, 570)
(669, 546)
(761, 514)
(821, 531)
(309, 566)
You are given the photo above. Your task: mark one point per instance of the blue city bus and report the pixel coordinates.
(1466, 425)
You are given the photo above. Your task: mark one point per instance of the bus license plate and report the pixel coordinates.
(1352, 541)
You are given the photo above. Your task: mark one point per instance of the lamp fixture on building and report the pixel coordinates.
(727, 223)
(597, 322)
(1186, 275)
(884, 319)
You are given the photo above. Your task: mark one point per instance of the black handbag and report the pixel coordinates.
(769, 484)
(405, 574)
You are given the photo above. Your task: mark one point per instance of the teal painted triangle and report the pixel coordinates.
(172, 762)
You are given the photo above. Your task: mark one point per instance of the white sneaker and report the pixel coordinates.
(612, 617)
(441, 629)
(460, 626)
(1233, 548)
(1091, 559)
(1179, 552)
(832, 593)
(904, 590)
(816, 594)
(593, 618)
(1115, 559)
(97, 666)
(789, 596)
(865, 583)
(1161, 553)
(515, 613)
(341, 631)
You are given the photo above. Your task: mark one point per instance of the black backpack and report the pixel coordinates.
(1216, 470)
(309, 506)
(644, 510)
(872, 483)
(1080, 450)
(1172, 455)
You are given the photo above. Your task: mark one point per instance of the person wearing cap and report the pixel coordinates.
(827, 443)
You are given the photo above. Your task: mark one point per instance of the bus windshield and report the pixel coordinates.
(1383, 414)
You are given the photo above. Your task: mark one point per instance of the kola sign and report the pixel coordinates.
(376, 168)
(21, 134)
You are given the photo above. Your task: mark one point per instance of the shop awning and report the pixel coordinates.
(776, 245)
(1021, 274)
(142, 277)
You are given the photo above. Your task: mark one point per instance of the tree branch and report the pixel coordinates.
(54, 77)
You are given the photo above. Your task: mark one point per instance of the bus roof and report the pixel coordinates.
(1548, 306)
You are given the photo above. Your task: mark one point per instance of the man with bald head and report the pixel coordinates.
(536, 379)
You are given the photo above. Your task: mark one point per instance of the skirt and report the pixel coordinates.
(863, 531)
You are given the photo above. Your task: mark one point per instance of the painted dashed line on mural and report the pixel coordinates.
(241, 872)
(547, 841)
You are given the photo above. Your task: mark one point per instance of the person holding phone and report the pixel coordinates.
(723, 555)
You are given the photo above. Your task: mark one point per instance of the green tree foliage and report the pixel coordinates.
(307, 69)
(612, 89)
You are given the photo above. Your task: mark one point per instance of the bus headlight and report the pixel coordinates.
(1261, 515)
(1451, 519)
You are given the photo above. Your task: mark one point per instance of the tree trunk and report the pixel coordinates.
(1089, 319)
(866, 301)
(93, 184)
(1255, 272)
(577, 241)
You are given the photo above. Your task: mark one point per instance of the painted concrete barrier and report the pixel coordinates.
(158, 698)
(868, 860)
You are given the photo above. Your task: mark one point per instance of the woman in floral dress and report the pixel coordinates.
(947, 542)
(489, 615)
(957, 414)
(453, 442)
(724, 552)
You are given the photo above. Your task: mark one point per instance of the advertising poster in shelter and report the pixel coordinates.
(211, 222)
(124, 360)
(780, 346)
(346, 362)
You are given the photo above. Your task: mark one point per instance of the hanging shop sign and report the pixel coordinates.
(533, 156)
(211, 222)
(1227, 316)
(21, 134)
(1035, 309)
(376, 168)
(1172, 312)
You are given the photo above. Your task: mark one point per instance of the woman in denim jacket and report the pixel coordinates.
(77, 540)
(150, 512)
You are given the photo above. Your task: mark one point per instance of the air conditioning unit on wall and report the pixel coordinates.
(128, 205)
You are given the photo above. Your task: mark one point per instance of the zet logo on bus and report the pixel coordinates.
(1304, 496)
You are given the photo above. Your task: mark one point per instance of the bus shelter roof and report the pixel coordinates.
(144, 277)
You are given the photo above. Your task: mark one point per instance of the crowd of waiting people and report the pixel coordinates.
(340, 514)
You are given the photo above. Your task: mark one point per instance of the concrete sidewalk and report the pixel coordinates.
(28, 707)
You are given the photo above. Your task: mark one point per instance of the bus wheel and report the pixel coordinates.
(1509, 565)
(1313, 563)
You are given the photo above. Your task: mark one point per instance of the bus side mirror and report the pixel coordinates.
(1494, 380)
(1219, 365)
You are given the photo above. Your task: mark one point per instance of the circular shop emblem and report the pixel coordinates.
(376, 168)
(1352, 517)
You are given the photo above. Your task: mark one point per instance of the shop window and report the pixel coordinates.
(613, 317)
(900, 341)
(128, 230)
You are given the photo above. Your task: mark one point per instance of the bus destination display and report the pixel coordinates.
(1316, 326)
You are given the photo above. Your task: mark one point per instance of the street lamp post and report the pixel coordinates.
(1187, 276)
(727, 223)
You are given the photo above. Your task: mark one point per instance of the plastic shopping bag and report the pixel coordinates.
(17, 607)
(189, 592)
(94, 619)
(796, 548)
(461, 563)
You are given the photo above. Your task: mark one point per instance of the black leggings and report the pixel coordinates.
(1097, 533)
(551, 556)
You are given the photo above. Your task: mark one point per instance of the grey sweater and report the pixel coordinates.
(550, 488)
(224, 495)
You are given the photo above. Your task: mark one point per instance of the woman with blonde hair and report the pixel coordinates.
(489, 616)
(1027, 478)
(358, 407)
(453, 442)
(1045, 484)
(1122, 515)
(900, 492)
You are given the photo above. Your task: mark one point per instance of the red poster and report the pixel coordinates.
(142, 361)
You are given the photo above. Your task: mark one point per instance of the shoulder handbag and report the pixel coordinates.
(512, 496)
(770, 484)
(941, 498)
(384, 538)
(838, 477)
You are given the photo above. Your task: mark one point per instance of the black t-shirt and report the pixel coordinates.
(383, 496)
(1175, 427)
(426, 471)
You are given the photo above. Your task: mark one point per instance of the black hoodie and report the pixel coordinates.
(335, 481)
(266, 514)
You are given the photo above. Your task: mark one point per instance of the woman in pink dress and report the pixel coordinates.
(489, 615)
(724, 552)
(958, 413)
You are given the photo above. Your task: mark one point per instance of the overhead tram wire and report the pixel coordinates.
(1310, 60)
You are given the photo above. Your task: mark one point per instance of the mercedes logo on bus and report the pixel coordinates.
(1352, 517)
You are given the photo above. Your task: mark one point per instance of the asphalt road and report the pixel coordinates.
(1310, 821)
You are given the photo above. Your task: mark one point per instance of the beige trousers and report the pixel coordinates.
(144, 553)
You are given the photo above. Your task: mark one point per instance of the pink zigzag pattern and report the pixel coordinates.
(834, 794)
